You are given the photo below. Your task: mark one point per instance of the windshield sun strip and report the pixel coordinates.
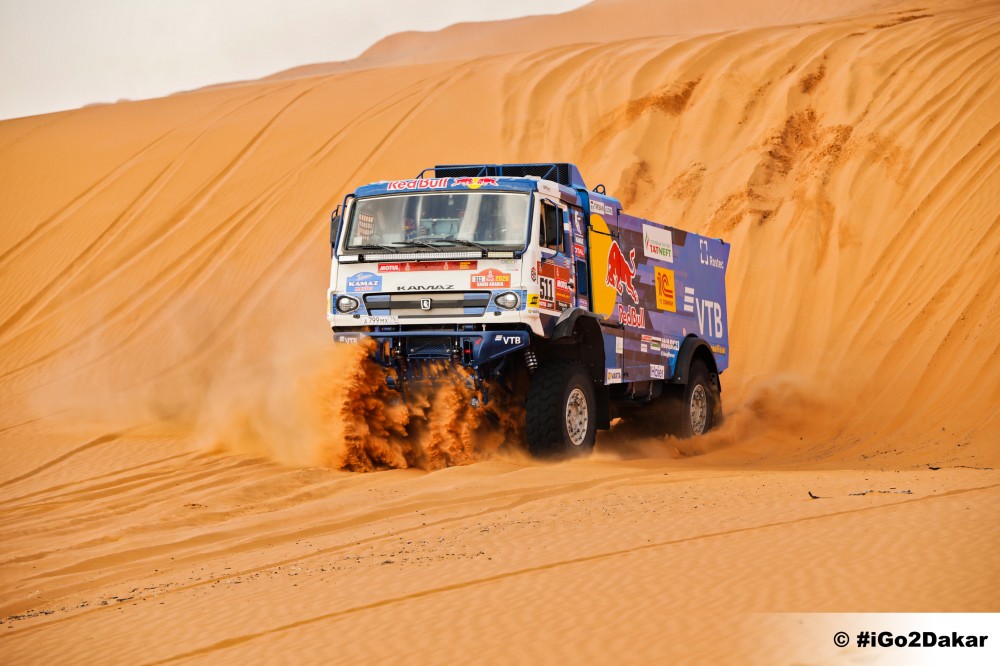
(345, 247)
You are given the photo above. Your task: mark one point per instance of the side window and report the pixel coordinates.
(550, 227)
(581, 277)
(567, 233)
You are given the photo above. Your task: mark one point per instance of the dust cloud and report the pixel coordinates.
(332, 407)
(776, 412)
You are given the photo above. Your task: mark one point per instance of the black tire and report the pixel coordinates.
(559, 393)
(700, 403)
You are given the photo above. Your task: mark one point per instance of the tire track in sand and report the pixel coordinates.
(485, 580)
(103, 439)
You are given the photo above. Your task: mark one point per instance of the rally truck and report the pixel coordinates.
(524, 280)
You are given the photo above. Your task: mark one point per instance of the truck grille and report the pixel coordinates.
(436, 347)
(441, 304)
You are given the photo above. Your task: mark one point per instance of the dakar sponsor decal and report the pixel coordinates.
(600, 207)
(511, 339)
(670, 347)
(577, 223)
(705, 256)
(553, 286)
(631, 316)
(579, 252)
(547, 187)
(490, 278)
(364, 282)
(656, 371)
(417, 184)
(532, 300)
(709, 313)
(666, 295)
(719, 349)
(619, 345)
(621, 271)
(613, 376)
(408, 266)
(654, 345)
(658, 243)
(474, 183)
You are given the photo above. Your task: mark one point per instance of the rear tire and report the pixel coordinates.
(701, 403)
(560, 412)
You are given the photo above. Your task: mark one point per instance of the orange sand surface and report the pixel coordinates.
(174, 418)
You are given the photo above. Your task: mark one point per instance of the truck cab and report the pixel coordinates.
(520, 276)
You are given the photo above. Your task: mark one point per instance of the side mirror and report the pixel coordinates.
(334, 225)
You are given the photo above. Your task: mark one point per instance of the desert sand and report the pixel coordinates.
(180, 436)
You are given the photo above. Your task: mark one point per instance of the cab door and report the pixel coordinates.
(555, 268)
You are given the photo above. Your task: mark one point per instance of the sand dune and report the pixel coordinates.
(172, 407)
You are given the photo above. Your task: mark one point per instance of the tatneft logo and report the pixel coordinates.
(658, 243)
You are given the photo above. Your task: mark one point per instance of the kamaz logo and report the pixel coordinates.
(507, 339)
(426, 287)
(425, 303)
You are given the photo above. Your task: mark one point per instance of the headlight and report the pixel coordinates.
(507, 300)
(347, 304)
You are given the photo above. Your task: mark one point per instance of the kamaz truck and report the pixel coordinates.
(528, 282)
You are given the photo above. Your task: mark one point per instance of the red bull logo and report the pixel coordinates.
(621, 271)
(417, 184)
(474, 183)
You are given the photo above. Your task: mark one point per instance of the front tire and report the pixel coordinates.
(560, 411)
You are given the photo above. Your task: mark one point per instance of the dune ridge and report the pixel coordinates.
(170, 425)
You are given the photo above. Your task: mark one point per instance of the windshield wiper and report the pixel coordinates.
(417, 243)
(467, 243)
(375, 246)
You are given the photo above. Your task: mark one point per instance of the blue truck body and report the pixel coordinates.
(498, 267)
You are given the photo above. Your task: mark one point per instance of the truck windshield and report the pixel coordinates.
(439, 221)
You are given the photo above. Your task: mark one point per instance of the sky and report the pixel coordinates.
(64, 54)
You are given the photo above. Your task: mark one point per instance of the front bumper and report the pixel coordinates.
(474, 349)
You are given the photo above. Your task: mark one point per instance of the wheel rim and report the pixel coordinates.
(699, 409)
(577, 416)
